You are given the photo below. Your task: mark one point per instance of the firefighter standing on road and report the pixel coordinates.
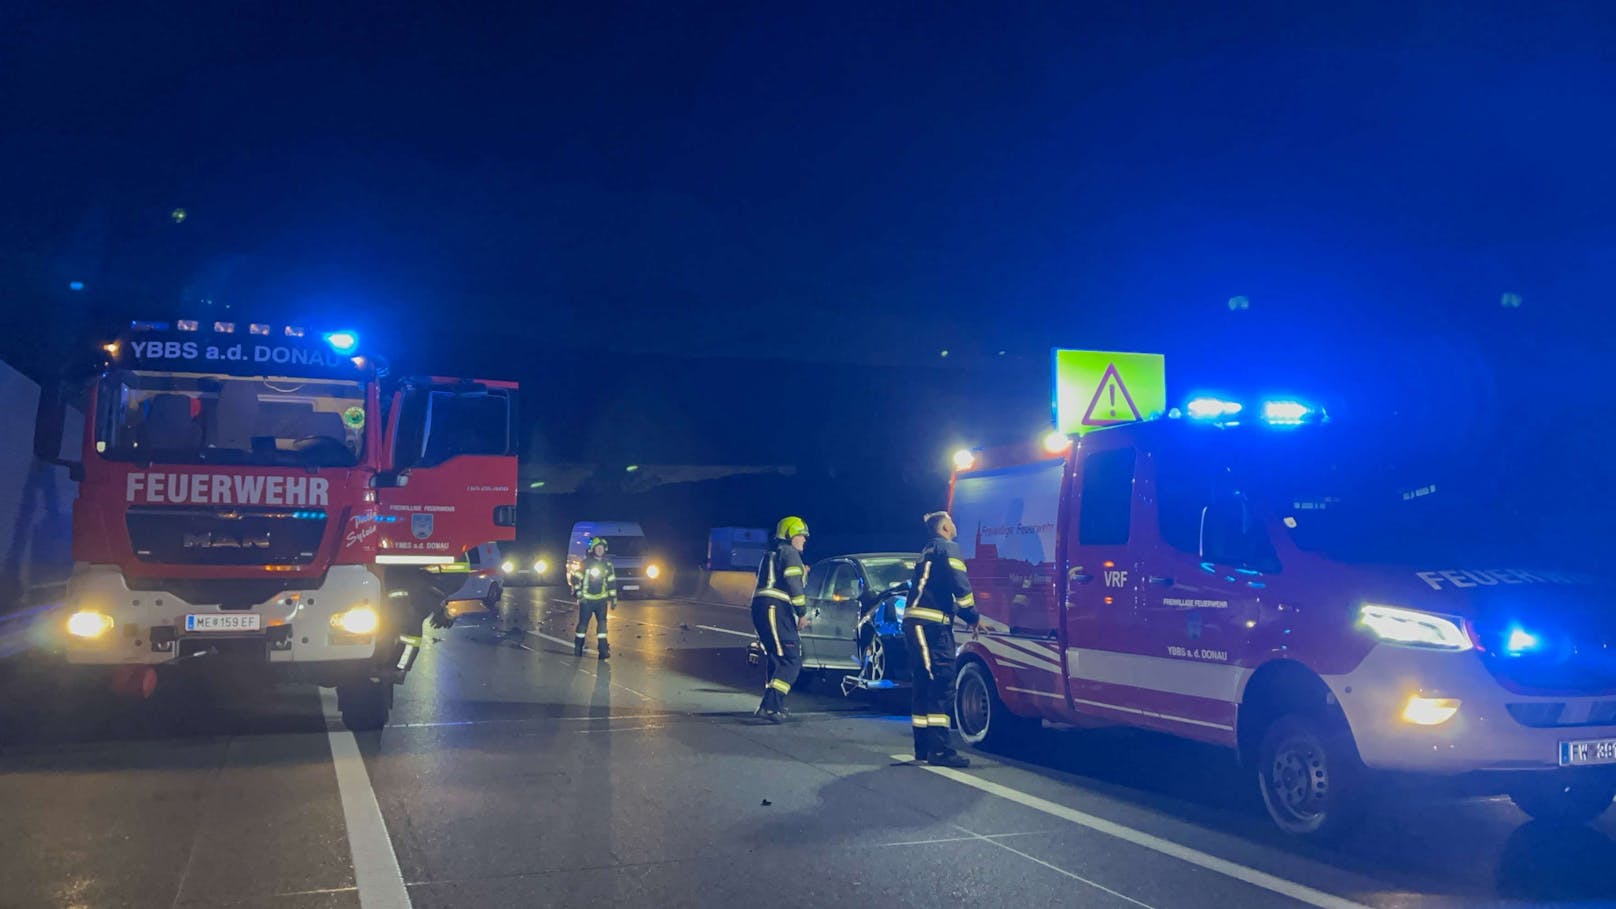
(596, 588)
(941, 592)
(778, 608)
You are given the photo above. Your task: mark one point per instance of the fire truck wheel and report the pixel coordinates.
(983, 720)
(1563, 799)
(365, 704)
(1309, 775)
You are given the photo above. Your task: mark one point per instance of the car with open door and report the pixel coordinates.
(855, 617)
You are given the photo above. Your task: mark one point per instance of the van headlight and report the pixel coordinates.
(541, 566)
(653, 571)
(507, 566)
(358, 620)
(1412, 628)
(89, 624)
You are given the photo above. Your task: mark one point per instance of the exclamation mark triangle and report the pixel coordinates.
(1111, 404)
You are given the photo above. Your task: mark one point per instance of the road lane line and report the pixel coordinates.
(555, 640)
(739, 634)
(967, 839)
(1165, 847)
(1056, 868)
(376, 871)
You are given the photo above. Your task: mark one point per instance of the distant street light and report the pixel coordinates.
(178, 215)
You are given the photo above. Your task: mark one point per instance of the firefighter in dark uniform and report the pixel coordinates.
(778, 608)
(596, 589)
(941, 591)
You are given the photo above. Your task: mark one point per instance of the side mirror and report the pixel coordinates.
(391, 479)
(50, 420)
(50, 424)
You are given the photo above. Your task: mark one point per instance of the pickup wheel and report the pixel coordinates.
(365, 704)
(1309, 775)
(983, 720)
(1561, 799)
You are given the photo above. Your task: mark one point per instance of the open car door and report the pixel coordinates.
(451, 478)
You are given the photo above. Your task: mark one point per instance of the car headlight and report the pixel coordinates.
(507, 566)
(1412, 628)
(653, 572)
(541, 566)
(89, 624)
(358, 620)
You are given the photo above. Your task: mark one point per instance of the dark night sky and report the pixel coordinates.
(713, 179)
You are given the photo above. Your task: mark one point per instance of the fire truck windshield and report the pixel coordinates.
(189, 418)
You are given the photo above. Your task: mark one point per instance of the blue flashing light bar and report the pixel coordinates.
(343, 342)
(1285, 413)
(1212, 408)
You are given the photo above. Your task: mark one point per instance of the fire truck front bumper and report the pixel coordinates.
(339, 621)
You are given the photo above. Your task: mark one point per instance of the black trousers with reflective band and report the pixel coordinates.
(931, 675)
(776, 624)
(596, 608)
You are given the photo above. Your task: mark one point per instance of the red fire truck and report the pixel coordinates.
(1252, 576)
(259, 494)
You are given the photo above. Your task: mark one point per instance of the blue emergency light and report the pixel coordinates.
(343, 342)
(1274, 412)
(1521, 641)
(1212, 408)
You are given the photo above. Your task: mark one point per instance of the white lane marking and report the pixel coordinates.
(555, 640)
(967, 839)
(1059, 870)
(376, 872)
(616, 729)
(534, 719)
(739, 634)
(1169, 848)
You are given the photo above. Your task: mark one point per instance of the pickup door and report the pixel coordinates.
(451, 483)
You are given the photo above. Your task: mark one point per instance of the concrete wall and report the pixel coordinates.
(36, 500)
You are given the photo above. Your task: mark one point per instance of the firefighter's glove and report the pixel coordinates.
(441, 619)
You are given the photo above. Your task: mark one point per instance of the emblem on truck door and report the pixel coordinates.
(421, 525)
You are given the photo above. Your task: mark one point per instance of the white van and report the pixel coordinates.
(638, 574)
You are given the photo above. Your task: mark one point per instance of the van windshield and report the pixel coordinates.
(625, 546)
(1360, 503)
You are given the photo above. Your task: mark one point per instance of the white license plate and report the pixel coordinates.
(1588, 751)
(631, 587)
(242, 621)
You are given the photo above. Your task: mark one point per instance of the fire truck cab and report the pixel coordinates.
(1281, 588)
(273, 498)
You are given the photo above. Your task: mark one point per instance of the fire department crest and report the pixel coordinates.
(421, 525)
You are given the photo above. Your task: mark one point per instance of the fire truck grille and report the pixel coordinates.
(227, 536)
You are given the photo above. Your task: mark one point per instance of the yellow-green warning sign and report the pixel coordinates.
(1096, 388)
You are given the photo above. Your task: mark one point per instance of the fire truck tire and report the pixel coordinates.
(365, 704)
(981, 716)
(1310, 776)
(1561, 799)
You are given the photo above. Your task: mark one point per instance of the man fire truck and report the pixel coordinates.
(257, 494)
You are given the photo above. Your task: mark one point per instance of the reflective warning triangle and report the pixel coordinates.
(1111, 404)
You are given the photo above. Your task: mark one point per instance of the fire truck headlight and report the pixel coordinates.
(1429, 711)
(358, 620)
(653, 571)
(89, 624)
(1412, 628)
(507, 566)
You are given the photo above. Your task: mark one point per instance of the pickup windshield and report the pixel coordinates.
(187, 418)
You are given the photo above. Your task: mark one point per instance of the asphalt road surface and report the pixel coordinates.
(514, 774)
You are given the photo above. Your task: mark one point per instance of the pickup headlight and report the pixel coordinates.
(1412, 628)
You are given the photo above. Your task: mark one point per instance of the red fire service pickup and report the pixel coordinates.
(1269, 584)
(257, 494)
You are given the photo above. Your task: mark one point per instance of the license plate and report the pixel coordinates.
(631, 587)
(244, 621)
(1588, 751)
